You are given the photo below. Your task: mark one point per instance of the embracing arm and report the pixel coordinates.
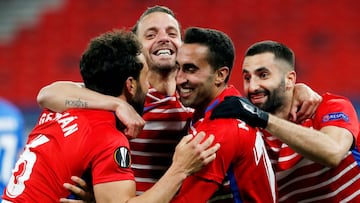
(62, 95)
(189, 157)
(327, 146)
(304, 104)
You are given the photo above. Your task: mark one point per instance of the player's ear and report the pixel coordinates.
(290, 79)
(220, 75)
(131, 85)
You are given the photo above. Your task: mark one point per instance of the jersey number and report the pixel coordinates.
(23, 168)
(260, 152)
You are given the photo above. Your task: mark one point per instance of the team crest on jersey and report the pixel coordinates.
(335, 116)
(122, 157)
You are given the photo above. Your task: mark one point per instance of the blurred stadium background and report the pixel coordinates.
(41, 41)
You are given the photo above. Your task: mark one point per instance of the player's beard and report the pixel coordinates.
(275, 98)
(138, 101)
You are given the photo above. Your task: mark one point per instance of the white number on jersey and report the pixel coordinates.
(23, 168)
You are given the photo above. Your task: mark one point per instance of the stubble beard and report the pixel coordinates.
(276, 99)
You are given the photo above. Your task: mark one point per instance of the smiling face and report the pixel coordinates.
(195, 79)
(267, 82)
(160, 36)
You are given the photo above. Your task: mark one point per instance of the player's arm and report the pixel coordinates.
(63, 95)
(305, 102)
(326, 146)
(191, 154)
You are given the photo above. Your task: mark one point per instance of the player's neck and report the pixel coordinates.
(163, 82)
(283, 111)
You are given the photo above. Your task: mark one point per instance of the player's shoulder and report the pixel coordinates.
(331, 98)
(229, 126)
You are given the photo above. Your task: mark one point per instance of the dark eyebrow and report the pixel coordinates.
(258, 70)
(190, 65)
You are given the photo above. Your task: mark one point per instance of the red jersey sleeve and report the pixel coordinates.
(112, 159)
(337, 111)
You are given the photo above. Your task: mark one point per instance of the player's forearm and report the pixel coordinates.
(310, 143)
(164, 189)
(63, 95)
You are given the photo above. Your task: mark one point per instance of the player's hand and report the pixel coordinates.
(192, 153)
(81, 190)
(241, 108)
(133, 122)
(304, 104)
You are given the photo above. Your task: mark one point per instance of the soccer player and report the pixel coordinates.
(88, 142)
(317, 161)
(167, 120)
(242, 166)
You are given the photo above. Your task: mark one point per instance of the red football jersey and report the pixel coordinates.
(302, 180)
(242, 169)
(167, 121)
(66, 144)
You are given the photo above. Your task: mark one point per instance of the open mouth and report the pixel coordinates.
(258, 98)
(185, 92)
(163, 52)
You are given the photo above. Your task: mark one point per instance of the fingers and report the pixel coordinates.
(193, 152)
(198, 138)
(133, 129)
(75, 189)
(305, 101)
(186, 139)
(206, 153)
(64, 200)
(207, 142)
(133, 122)
(210, 153)
(306, 111)
(80, 189)
(293, 111)
(80, 182)
(134, 125)
(194, 140)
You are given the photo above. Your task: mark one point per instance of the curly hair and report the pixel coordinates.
(109, 60)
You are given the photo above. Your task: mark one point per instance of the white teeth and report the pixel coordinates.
(185, 90)
(163, 51)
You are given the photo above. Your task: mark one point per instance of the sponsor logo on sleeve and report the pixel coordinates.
(335, 117)
(122, 157)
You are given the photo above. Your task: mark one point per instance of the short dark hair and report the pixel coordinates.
(279, 50)
(221, 48)
(109, 60)
(149, 10)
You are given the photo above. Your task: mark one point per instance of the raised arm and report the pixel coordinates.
(63, 95)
